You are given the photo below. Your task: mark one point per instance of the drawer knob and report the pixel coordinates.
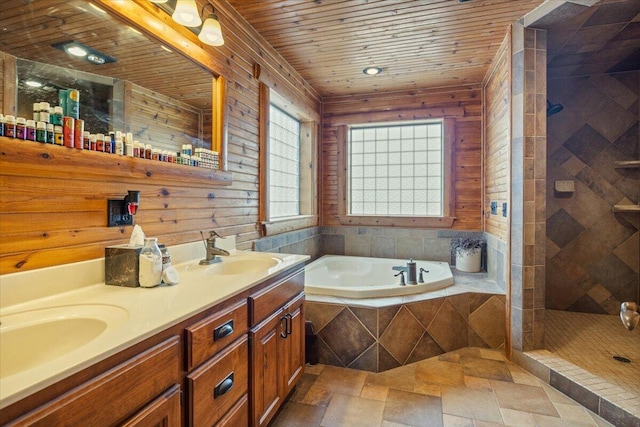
(223, 386)
(223, 330)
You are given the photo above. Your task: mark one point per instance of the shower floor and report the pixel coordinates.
(591, 340)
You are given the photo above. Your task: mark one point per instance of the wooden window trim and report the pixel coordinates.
(445, 221)
(308, 182)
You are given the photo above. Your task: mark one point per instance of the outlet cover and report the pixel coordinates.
(494, 208)
(117, 214)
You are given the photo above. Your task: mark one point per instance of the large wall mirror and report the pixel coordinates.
(143, 86)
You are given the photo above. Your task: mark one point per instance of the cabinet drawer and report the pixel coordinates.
(117, 393)
(210, 335)
(164, 411)
(270, 299)
(217, 385)
(237, 416)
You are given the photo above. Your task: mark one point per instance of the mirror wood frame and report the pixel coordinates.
(150, 19)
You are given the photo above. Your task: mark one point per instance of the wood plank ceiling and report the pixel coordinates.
(417, 43)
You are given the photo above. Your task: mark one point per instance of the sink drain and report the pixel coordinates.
(621, 359)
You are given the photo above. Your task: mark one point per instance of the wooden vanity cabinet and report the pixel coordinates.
(231, 365)
(277, 345)
(137, 392)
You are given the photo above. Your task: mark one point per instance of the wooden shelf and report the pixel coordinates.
(28, 158)
(626, 208)
(627, 164)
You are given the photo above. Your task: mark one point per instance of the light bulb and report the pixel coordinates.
(33, 83)
(76, 51)
(186, 13)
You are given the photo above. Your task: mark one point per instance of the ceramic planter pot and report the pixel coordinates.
(468, 261)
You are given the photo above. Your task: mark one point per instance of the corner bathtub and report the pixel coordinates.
(363, 277)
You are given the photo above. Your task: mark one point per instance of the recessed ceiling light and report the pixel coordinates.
(372, 71)
(96, 59)
(83, 51)
(76, 51)
(33, 83)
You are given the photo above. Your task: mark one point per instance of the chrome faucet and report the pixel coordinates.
(410, 270)
(212, 251)
(630, 315)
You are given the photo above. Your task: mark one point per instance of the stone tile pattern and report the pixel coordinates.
(467, 387)
(307, 241)
(592, 253)
(392, 242)
(528, 200)
(379, 339)
(569, 333)
(613, 403)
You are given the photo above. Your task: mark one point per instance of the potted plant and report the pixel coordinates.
(468, 251)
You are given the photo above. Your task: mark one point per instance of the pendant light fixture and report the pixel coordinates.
(186, 13)
(211, 32)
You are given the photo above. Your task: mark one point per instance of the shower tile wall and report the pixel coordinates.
(592, 260)
(378, 339)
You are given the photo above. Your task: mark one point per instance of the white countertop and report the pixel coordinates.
(141, 312)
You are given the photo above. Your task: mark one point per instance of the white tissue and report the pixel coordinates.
(137, 236)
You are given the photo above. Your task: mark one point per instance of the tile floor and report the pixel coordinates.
(568, 334)
(468, 387)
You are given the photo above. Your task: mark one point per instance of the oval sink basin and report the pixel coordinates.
(34, 337)
(232, 266)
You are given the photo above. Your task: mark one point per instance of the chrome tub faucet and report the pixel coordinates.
(410, 270)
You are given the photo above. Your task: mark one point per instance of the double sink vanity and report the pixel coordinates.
(223, 347)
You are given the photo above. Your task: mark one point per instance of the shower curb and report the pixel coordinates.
(609, 401)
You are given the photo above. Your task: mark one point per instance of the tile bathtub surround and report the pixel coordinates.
(467, 387)
(392, 242)
(307, 241)
(376, 339)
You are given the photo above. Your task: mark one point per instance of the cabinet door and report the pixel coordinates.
(292, 347)
(265, 378)
(162, 412)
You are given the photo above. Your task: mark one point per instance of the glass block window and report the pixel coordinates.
(396, 170)
(284, 164)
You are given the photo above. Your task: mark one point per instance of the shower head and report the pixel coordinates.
(629, 315)
(553, 108)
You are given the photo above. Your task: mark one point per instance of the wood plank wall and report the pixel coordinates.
(1, 82)
(45, 220)
(497, 114)
(462, 103)
(163, 122)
